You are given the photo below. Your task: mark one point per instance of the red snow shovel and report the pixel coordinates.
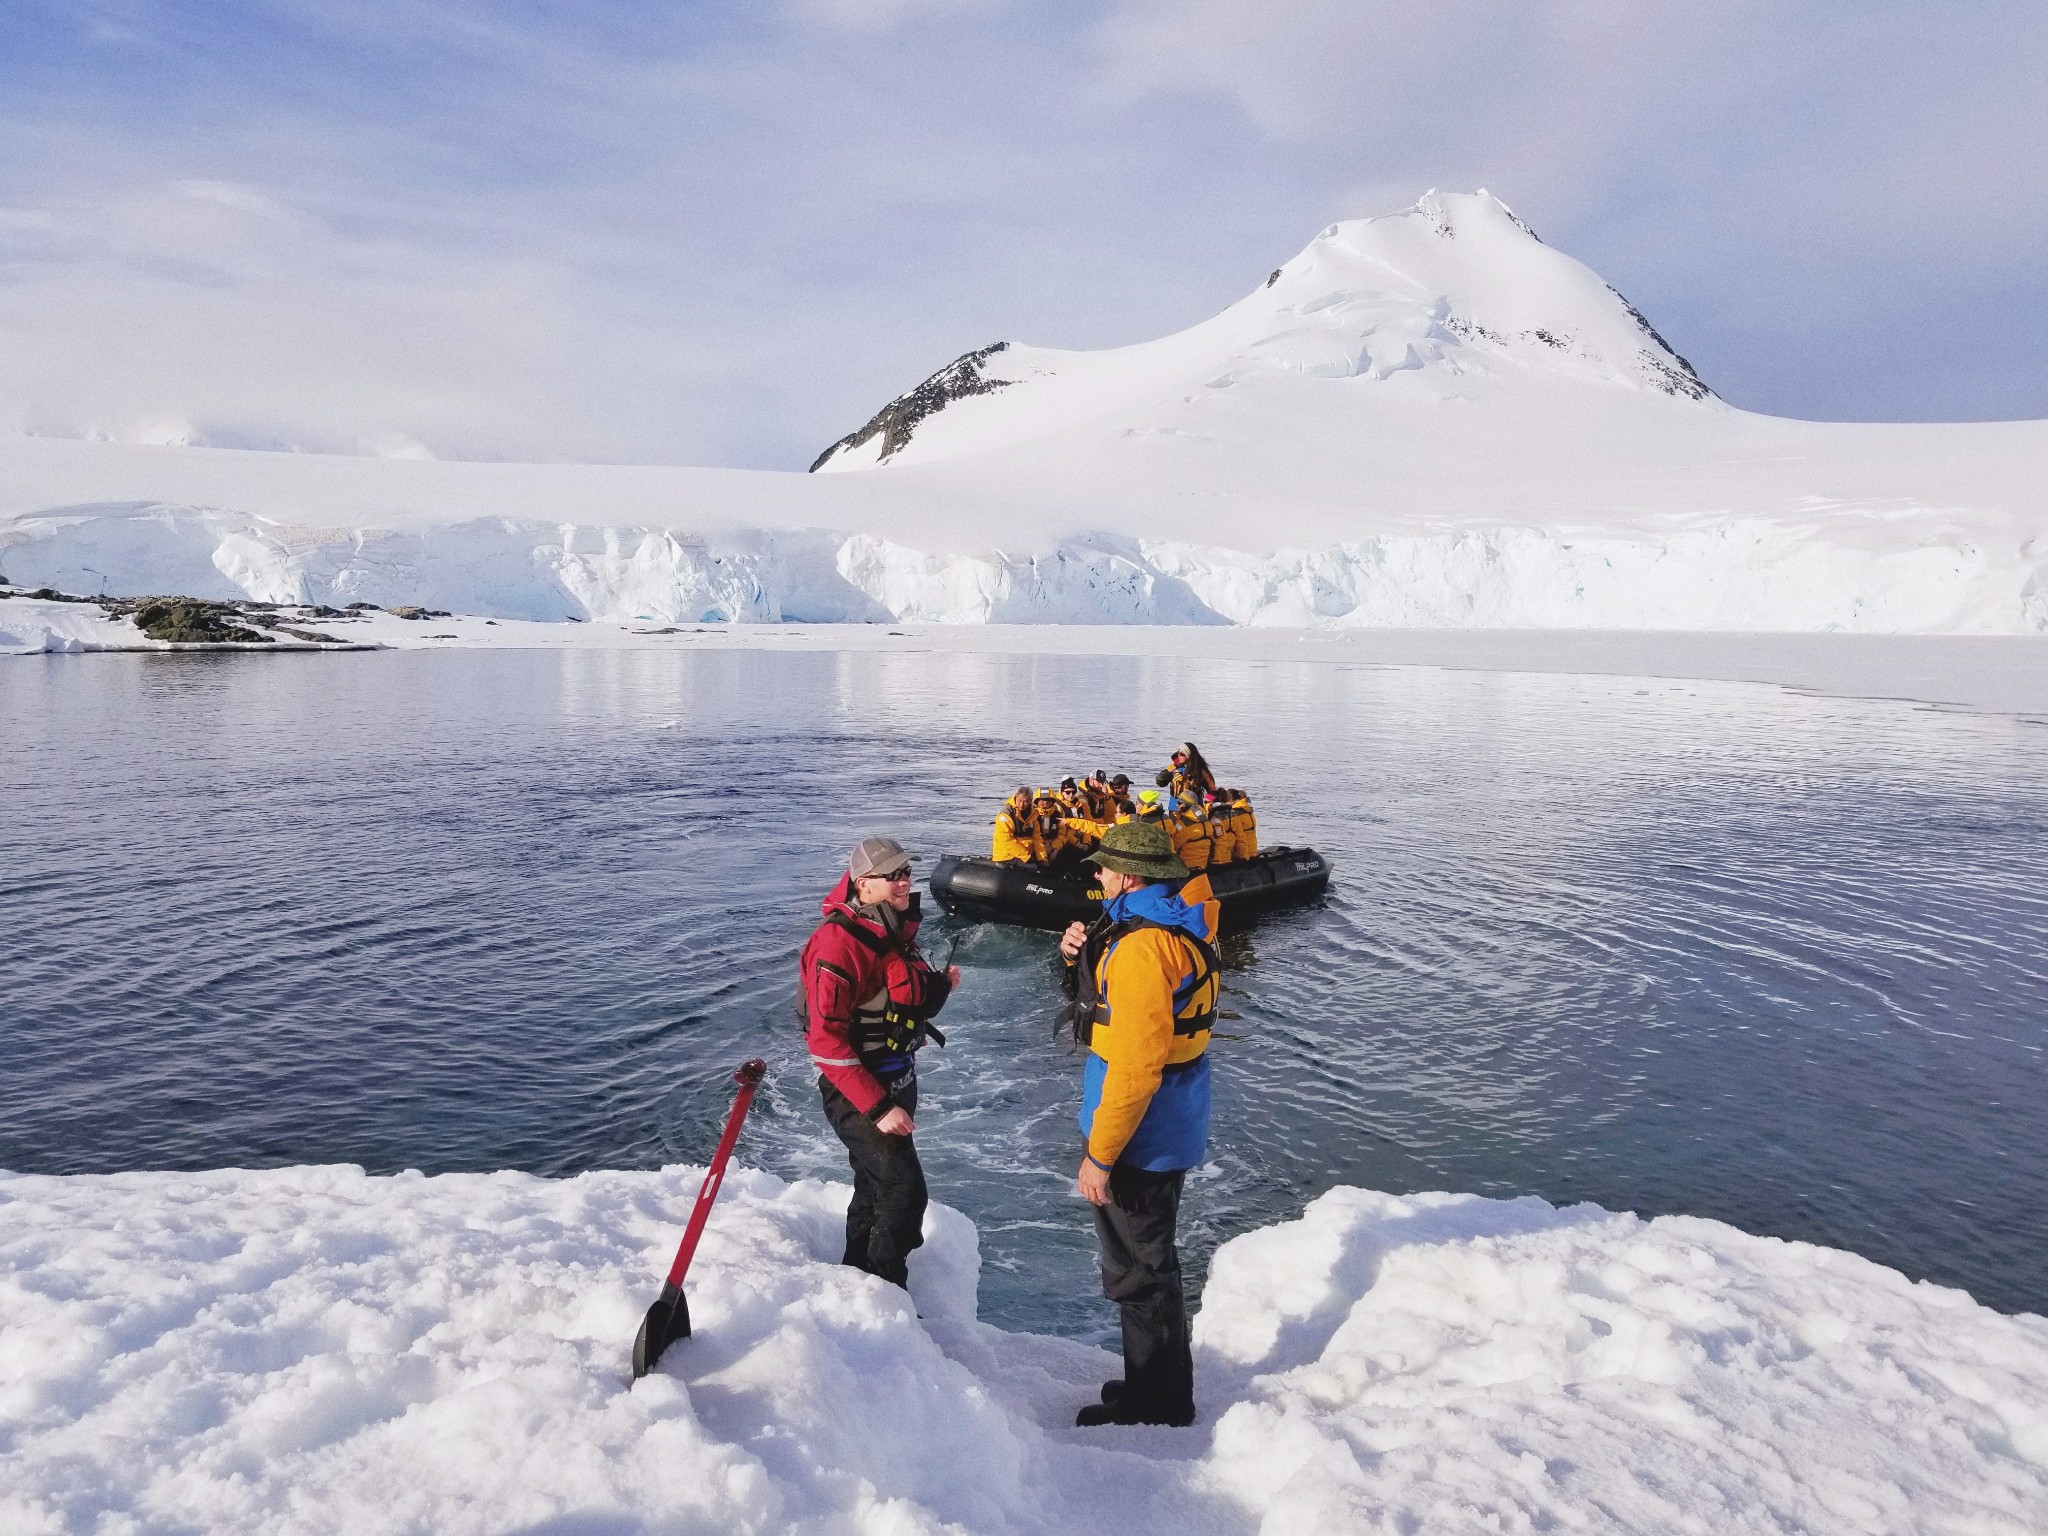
(669, 1318)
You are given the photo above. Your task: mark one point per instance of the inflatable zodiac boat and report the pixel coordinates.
(983, 891)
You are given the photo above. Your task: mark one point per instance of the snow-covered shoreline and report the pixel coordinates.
(1859, 570)
(1998, 674)
(312, 1350)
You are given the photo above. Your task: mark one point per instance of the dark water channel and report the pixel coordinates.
(1671, 947)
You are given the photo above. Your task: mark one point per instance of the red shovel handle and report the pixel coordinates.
(749, 1078)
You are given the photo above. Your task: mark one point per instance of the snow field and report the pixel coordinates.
(312, 1350)
(1445, 1362)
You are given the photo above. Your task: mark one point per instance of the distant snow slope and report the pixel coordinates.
(1456, 291)
(307, 1350)
(1425, 420)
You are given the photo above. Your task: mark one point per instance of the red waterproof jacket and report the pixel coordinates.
(859, 982)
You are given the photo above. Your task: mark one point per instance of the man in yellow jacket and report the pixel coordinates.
(1012, 841)
(1145, 987)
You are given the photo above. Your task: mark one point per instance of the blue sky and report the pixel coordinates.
(725, 233)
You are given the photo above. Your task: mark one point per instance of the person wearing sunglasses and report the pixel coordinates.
(869, 997)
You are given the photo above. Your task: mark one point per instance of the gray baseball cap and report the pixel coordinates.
(877, 856)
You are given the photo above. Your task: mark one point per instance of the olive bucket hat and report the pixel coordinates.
(1139, 848)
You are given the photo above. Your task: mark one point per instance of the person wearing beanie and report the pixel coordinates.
(1011, 842)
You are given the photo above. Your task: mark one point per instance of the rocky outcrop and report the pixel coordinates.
(1663, 366)
(204, 621)
(188, 621)
(965, 375)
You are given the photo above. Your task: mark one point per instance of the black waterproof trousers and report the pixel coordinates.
(885, 1218)
(1141, 1274)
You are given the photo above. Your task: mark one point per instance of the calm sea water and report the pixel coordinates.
(1714, 949)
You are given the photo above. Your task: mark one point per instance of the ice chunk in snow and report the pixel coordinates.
(312, 1350)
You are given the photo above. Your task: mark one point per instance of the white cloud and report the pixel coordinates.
(718, 231)
(1894, 123)
(207, 311)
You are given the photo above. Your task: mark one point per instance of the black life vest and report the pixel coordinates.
(1087, 1007)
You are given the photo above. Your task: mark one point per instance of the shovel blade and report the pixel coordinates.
(666, 1321)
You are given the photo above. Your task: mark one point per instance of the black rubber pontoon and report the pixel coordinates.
(983, 891)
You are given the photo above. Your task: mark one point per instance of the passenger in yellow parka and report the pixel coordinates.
(1011, 842)
(1244, 825)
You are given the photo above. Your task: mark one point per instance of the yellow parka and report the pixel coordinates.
(1222, 834)
(1013, 839)
(1245, 826)
(1189, 829)
(1081, 832)
(1153, 987)
(1053, 831)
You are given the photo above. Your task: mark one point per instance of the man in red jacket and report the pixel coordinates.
(869, 998)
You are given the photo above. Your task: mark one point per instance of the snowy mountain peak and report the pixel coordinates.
(1454, 298)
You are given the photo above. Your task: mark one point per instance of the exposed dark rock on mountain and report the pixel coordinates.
(960, 378)
(1672, 373)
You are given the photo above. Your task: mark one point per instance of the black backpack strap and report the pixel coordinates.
(1208, 965)
(1088, 1004)
(875, 943)
(1079, 979)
